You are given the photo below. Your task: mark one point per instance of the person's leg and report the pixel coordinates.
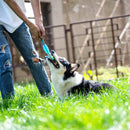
(6, 80)
(24, 43)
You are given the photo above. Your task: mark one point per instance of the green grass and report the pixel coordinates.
(28, 111)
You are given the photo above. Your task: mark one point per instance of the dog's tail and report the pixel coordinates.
(97, 86)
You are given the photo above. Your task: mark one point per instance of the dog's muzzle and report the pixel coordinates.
(54, 61)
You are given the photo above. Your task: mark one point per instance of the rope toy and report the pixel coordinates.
(46, 49)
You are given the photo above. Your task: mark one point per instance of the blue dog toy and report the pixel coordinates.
(46, 49)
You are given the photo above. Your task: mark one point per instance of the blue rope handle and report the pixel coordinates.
(46, 49)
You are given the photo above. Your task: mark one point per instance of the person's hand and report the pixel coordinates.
(35, 31)
(42, 30)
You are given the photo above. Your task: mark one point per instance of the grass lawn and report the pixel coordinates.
(28, 111)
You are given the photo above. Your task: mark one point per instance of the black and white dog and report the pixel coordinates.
(66, 79)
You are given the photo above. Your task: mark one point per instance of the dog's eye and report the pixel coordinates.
(61, 61)
(68, 66)
(64, 62)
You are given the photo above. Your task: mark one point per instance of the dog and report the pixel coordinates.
(66, 80)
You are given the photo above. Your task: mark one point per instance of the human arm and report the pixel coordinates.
(38, 16)
(35, 31)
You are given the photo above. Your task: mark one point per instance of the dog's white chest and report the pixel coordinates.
(58, 85)
(63, 86)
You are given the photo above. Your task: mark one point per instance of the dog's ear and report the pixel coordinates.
(74, 67)
(71, 68)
